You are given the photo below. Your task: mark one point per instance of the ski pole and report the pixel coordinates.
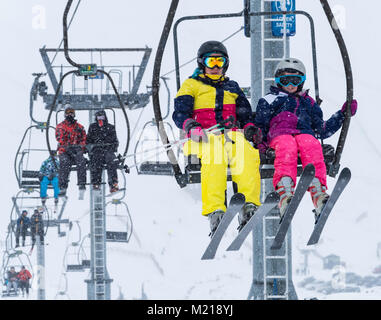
(173, 143)
(168, 147)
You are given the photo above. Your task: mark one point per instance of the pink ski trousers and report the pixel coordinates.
(287, 148)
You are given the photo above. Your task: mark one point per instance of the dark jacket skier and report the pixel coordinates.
(102, 144)
(22, 225)
(37, 226)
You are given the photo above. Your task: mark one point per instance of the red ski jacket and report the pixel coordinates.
(24, 275)
(70, 134)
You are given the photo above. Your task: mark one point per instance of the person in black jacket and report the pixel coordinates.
(22, 226)
(37, 226)
(102, 144)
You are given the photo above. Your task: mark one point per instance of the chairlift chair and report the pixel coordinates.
(119, 223)
(157, 167)
(17, 259)
(191, 172)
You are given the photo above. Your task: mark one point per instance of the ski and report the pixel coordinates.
(342, 181)
(236, 203)
(304, 182)
(271, 201)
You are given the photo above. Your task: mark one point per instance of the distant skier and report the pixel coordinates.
(37, 226)
(24, 276)
(71, 137)
(12, 281)
(205, 99)
(49, 175)
(22, 225)
(102, 143)
(292, 122)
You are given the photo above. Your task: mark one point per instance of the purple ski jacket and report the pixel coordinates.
(280, 112)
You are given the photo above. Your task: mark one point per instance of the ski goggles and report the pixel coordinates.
(293, 79)
(68, 111)
(211, 62)
(101, 118)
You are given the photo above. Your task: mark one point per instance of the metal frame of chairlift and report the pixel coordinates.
(79, 253)
(124, 100)
(119, 236)
(50, 222)
(6, 265)
(99, 282)
(63, 293)
(149, 167)
(184, 178)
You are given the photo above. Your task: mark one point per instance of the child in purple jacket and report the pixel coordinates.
(291, 123)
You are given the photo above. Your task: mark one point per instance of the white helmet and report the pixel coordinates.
(290, 65)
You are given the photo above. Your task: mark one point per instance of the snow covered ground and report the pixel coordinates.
(162, 260)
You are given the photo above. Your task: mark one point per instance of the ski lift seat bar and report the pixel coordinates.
(193, 168)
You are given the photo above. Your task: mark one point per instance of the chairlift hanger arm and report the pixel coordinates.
(180, 178)
(65, 35)
(334, 169)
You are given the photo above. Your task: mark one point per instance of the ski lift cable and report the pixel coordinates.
(190, 61)
(71, 20)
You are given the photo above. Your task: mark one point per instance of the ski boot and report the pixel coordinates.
(82, 189)
(285, 189)
(114, 187)
(319, 197)
(245, 214)
(214, 219)
(43, 201)
(96, 187)
(62, 192)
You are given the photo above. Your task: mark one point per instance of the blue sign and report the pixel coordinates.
(98, 75)
(278, 26)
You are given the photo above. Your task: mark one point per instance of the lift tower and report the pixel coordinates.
(272, 269)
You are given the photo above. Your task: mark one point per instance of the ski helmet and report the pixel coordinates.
(290, 65)
(212, 46)
(69, 108)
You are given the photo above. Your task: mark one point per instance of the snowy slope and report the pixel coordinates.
(162, 260)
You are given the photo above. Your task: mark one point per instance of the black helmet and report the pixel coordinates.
(211, 47)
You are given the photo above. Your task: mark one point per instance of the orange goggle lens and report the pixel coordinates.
(212, 62)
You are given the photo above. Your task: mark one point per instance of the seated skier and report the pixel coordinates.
(292, 122)
(102, 144)
(22, 225)
(49, 175)
(207, 98)
(12, 281)
(37, 226)
(71, 138)
(24, 276)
